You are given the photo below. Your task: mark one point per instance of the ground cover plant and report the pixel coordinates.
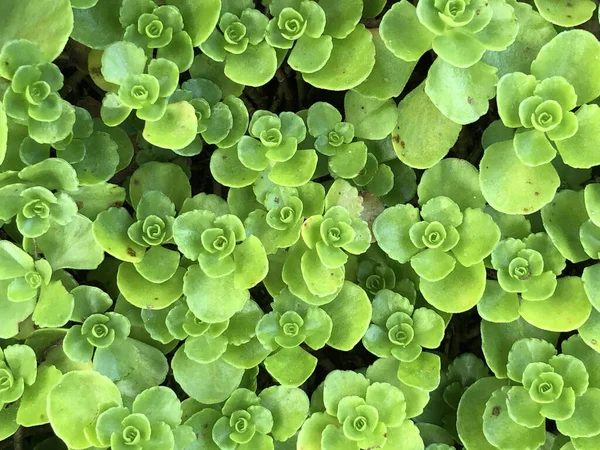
(299, 224)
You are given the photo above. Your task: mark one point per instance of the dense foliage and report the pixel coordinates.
(299, 224)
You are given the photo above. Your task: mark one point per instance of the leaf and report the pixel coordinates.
(372, 119)
(142, 293)
(291, 366)
(391, 229)
(579, 68)
(591, 284)
(498, 338)
(255, 67)
(423, 135)
(579, 151)
(48, 23)
(100, 161)
(422, 373)
(3, 133)
(168, 178)
(110, 232)
(71, 246)
(54, 306)
(251, 264)
(459, 291)
(32, 408)
(98, 26)
(389, 75)
(534, 33)
(14, 262)
(13, 312)
(585, 421)
(289, 408)
(479, 235)
(176, 129)
(200, 18)
(212, 299)
(159, 404)
(350, 63)
(454, 178)
(193, 376)
(350, 312)
(501, 431)
(510, 186)
(403, 33)
(89, 300)
(51, 173)
(562, 219)
(132, 366)
(497, 305)
(94, 393)
(92, 200)
(455, 92)
(341, 19)
(565, 12)
(569, 305)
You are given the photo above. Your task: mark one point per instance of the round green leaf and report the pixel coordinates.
(404, 35)
(176, 129)
(454, 178)
(470, 413)
(121, 363)
(562, 219)
(423, 135)
(389, 75)
(457, 292)
(254, 67)
(71, 246)
(200, 18)
(501, 431)
(213, 299)
(289, 408)
(350, 313)
(580, 68)
(462, 95)
(341, 18)
(534, 33)
(422, 373)
(580, 151)
(566, 13)
(110, 232)
(591, 283)
(498, 338)
(48, 23)
(372, 119)
(69, 417)
(350, 63)
(98, 26)
(32, 409)
(585, 421)
(142, 293)
(192, 377)
(168, 178)
(510, 186)
(569, 306)
(121, 59)
(291, 366)
(159, 264)
(497, 305)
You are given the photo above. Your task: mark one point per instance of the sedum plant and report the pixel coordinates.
(299, 224)
(400, 330)
(355, 413)
(529, 266)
